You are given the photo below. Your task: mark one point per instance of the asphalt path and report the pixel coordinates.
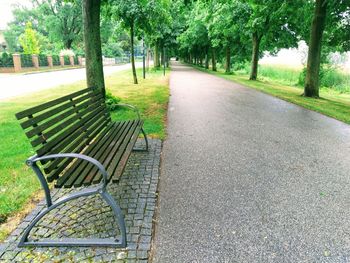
(247, 177)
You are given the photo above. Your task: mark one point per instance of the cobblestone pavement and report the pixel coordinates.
(91, 217)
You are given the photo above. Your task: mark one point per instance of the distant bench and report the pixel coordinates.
(77, 144)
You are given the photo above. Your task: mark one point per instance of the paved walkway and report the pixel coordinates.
(247, 177)
(12, 85)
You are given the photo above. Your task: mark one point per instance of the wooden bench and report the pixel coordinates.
(77, 144)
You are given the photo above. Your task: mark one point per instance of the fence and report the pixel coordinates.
(24, 62)
(112, 61)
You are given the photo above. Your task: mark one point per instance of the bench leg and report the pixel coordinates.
(146, 141)
(68, 242)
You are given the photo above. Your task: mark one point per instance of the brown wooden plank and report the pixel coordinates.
(101, 155)
(42, 127)
(76, 118)
(80, 163)
(77, 176)
(116, 174)
(70, 132)
(41, 107)
(114, 160)
(50, 113)
(55, 168)
(82, 137)
(94, 174)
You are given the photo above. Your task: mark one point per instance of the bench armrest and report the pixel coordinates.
(32, 160)
(136, 110)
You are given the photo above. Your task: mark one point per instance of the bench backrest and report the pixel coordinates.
(67, 124)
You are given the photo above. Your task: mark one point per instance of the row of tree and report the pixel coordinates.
(199, 31)
(238, 30)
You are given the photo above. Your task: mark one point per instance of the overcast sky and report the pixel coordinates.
(6, 7)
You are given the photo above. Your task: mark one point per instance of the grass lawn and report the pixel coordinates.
(18, 185)
(332, 103)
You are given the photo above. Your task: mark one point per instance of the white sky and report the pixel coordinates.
(6, 7)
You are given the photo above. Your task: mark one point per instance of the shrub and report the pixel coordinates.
(111, 101)
(55, 60)
(66, 60)
(6, 60)
(26, 60)
(43, 60)
(330, 77)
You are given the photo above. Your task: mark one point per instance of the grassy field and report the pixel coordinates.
(331, 78)
(332, 103)
(18, 185)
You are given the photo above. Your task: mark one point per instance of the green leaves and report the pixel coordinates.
(29, 40)
(59, 22)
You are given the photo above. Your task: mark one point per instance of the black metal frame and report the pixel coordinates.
(100, 189)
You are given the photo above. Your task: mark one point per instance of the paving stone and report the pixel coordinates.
(91, 217)
(142, 254)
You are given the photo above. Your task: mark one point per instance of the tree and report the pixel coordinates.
(92, 39)
(273, 24)
(158, 31)
(29, 40)
(195, 40)
(63, 20)
(334, 16)
(226, 28)
(60, 21)
(133, 15)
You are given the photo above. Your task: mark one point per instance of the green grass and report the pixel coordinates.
(282, 74)
(18, 184)
(332, 103)
(330, 77)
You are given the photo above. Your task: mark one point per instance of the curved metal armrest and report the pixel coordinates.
(32, 160)
(131, 107)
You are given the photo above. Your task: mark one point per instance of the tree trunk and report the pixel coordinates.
(311, 88)
(92, 39)
(132, 53)
(68, 44)
(147, 59)
(255, 56)
(213, 59)
(207, 59)
(162, 57)
(156, 57)
(228, 59)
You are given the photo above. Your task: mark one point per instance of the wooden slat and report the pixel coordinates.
(77, 176)
(41, 107)
(91, 147)
(42, 127)
(70, 132)
(113, 162)
(122, 163)
(82, 137)
(48, 114)
(102, 156)
(56, 167)
(77, 118)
